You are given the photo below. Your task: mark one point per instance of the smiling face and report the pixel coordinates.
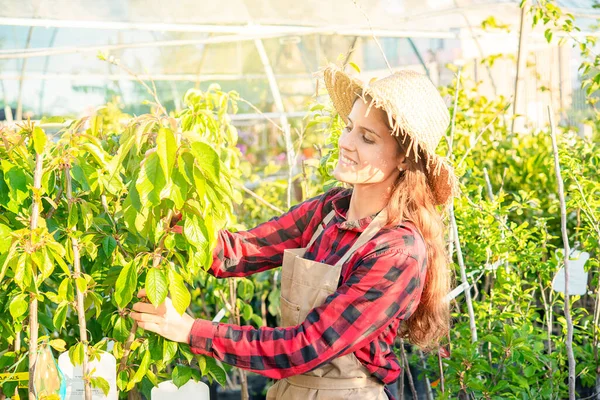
(368, 153)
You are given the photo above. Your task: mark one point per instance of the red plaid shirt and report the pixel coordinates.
(380, 285)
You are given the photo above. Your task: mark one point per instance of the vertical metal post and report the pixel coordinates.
(291, 156)
(521, 64)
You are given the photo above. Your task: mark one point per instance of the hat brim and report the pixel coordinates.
(344, 90)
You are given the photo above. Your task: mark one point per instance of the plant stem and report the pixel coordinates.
(411, 383)
(547, 308)
(17, 346)
(565, 238)
(79, 304)
(262, 200)
(33, 303)
(427, 381)
(401, 385)
(51, 212)
(441, 367)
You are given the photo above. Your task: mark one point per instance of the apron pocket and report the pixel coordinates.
(290, 312)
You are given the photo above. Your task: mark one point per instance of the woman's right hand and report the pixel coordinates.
(163, 320)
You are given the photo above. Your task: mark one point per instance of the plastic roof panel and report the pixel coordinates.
(428, 15)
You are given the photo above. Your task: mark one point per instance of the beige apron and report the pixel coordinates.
(305, 284)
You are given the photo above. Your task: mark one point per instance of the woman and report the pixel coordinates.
(360, 265)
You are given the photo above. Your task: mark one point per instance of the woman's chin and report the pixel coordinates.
(344, 176)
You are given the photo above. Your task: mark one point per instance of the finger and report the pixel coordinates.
(143, 317)
(145, 308)
(142, 293)
(149, 326)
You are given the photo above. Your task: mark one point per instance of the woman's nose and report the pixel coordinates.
(346, 140)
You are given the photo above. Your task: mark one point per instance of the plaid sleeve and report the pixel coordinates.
(383, 286)
(248, 252)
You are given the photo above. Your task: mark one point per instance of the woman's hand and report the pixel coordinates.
(164, 319)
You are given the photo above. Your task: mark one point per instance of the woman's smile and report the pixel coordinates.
(347, 162)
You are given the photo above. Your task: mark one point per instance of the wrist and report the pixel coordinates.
(186, 329)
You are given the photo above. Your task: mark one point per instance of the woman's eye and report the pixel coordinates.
(367, 140)
(347, 128)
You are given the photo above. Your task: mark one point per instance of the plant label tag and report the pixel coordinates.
(105, 368)
(191, 390)
(577, 275)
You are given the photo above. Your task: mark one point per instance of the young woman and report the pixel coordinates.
(360, 265)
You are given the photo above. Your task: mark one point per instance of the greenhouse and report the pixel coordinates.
(201, 200)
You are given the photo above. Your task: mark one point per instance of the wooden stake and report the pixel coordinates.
(79, 303)
(567, 253)
(463, 276)
(33, 302)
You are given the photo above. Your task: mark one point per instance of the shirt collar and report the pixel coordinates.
(341, 203)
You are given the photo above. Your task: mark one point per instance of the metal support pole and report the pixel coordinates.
(521, 64)
(291, 157)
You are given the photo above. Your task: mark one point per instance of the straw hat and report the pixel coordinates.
(416, 113)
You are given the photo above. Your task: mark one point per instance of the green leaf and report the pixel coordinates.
(548, 35)
(73, 217)
(179, 188)
(181, 375)
(5, 232)
(356, 68)
(95, 151)
(150, 181)
(65, 290)
(166, 147)
(60, 315)
(17, 181)
(81, 284)
(180, 295)
(247, 311)
(169, 350)
(156, 286)
(207, 159)
(109, 244)
(185, 350)
(57, 252)
(121, 329)
(100, 383)
(23, 273)
(18, 305)
(195, 230)
(141, 371)
(245, 289)
(126, 285)
(44, 263)
(201, 363)
(215, 371)
(39, 140)
(122, 378)
(76, 354)
(58, 344)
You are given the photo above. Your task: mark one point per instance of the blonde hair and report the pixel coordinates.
(412, 200)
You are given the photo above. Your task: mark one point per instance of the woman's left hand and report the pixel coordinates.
(163, 320)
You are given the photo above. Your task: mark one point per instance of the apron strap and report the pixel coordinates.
(368, 234)
(325, 222)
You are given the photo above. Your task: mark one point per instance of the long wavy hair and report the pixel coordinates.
(411, 200)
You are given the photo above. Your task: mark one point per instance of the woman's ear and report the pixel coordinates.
(402, 163)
